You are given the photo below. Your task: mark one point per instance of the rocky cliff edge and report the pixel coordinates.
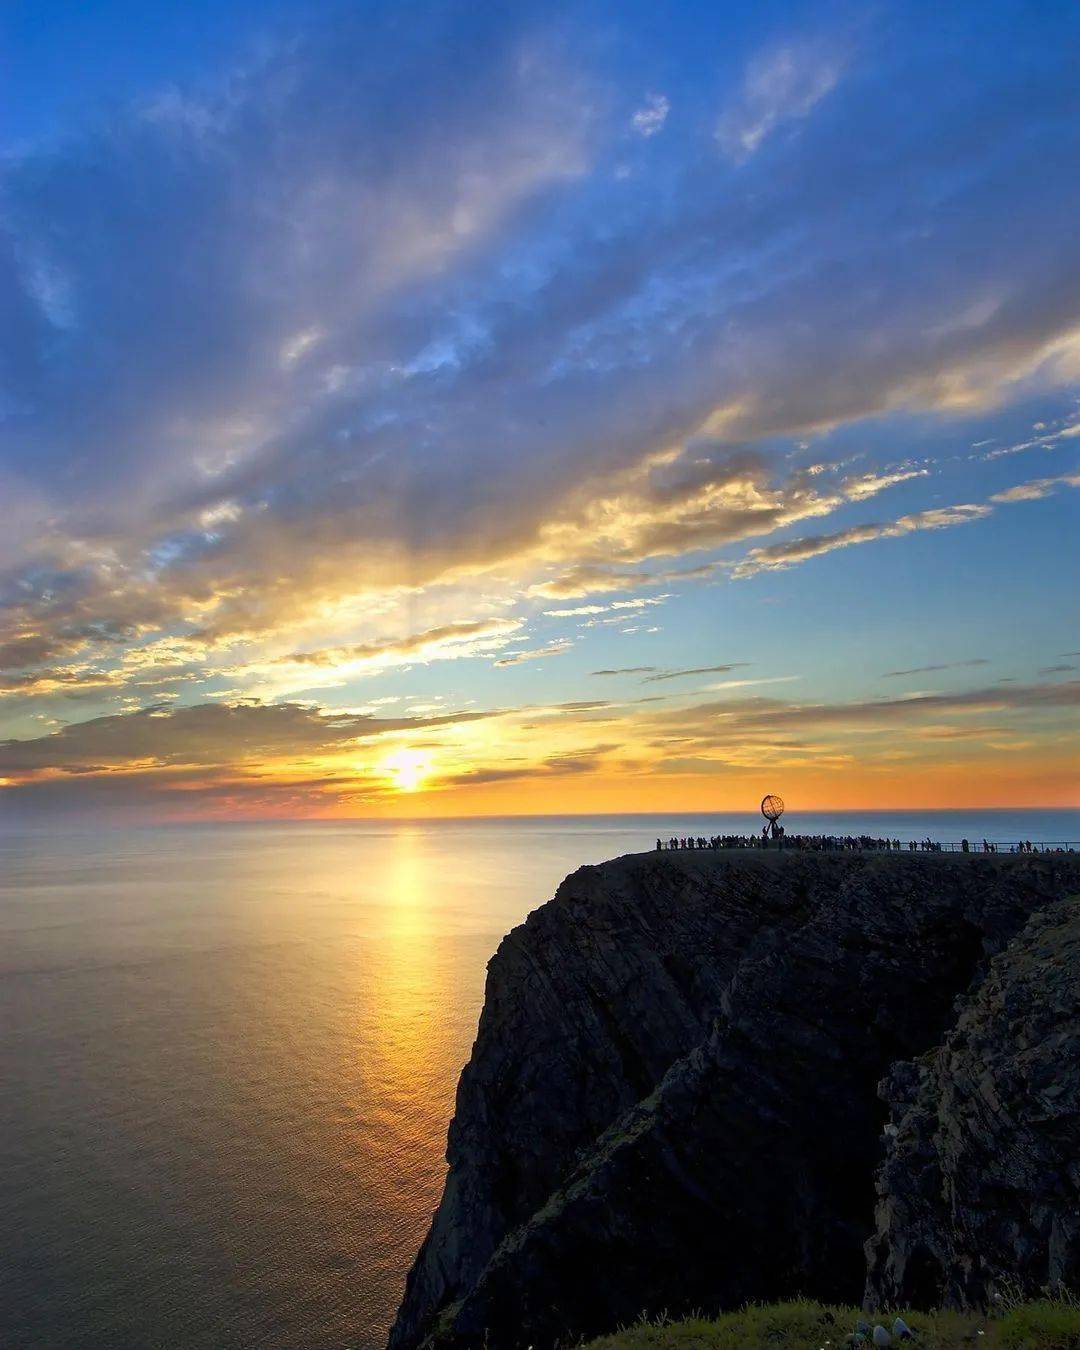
(705, 1078)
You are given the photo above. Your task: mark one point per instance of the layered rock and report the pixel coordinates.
(672, 1103)
(979, 1194)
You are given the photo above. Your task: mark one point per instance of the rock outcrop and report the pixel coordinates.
(979, 1194)
(672, 1100)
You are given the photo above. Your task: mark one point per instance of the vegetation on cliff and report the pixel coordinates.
(1043, 1324)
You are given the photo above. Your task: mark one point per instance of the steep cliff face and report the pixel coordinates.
(979, 1192)
(672, 1097)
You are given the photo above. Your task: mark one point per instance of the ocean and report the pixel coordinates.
(229, 1053)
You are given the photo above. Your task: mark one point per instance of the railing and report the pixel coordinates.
(996, 846)
(865, 844)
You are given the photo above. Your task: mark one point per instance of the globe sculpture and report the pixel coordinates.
(772, 808)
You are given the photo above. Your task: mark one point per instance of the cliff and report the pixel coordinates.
(673, 1099)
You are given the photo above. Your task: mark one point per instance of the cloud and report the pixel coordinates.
(735, 718)
(33, 649)
(624, 670)
(249, 758)
(744, 684)
(447, 642)
(1037, 488)
(207, 735)
(711, 496)
(71, 681)
(773, 557)
(860, 486)
(947, 665)
(693, 670)
(1056, 670)
(638, 602)
(776, 556)
(649, 119)
(779, 86)
(586, 760)
(304, 358)
(1046, 440)
(593, 579)
(552, 649)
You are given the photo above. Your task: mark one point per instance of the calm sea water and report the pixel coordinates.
(229, 1053)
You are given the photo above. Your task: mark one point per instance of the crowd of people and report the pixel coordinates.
(839, 843)
(816, 843)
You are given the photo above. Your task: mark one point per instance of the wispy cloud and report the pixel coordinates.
(1043, 440)
(447, 642)
(649, 119)
(1037, 488)
(534, 654)
(782, 85)
(945, 665)
(693, 670)
(775, 556)
(746, 684)
(708, 497)
(580, 611)
(733, 719)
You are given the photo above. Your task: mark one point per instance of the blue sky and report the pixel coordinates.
(373, 376)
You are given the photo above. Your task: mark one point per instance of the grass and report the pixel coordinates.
(1045, 1324)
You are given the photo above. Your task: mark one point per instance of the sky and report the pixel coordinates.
(448, 409)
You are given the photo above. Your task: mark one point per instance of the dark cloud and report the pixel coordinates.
(207, 735)
(586, 760)
(57, 679)
(734, 718)
(947, 665)
(695, 670)
(33, 649)
(625, 670)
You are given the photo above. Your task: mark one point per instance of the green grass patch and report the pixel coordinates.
(1049, 1324)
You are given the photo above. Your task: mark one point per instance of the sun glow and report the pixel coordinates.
(407, 769)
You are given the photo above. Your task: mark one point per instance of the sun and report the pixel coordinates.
(407, 769)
